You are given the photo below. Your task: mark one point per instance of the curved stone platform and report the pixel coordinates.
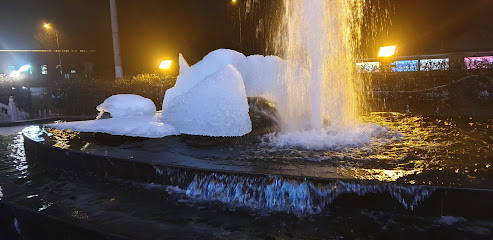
(231, 175)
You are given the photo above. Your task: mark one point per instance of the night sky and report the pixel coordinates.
(153, 30)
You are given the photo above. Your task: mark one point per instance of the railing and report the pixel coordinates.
(10, 112)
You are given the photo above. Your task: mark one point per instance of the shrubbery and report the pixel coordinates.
(81, 96)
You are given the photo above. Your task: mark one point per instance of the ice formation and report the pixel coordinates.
(126, 105)
(210, 99)
(182, 63)
(149, 126)
(215, 106)
(210, 64)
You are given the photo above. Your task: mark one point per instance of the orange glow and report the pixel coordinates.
(387, 51)
(47, 26)
(166, 64)
(233, 1)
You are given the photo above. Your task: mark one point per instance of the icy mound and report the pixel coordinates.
(149, 126)
(214, 106)
(126, 105)
(210, 64)
(262, 76)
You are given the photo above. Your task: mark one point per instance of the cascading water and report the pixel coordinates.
(319, 39)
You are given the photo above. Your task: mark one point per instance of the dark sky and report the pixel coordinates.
(152, 30)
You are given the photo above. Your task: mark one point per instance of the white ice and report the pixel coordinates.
(149, 126)
(215, 106)
(210, 64)
(182, 63)
(126, 105)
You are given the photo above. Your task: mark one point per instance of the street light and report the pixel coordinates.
(387, 51)
(239, 18)
(166, 64)
(48, 27)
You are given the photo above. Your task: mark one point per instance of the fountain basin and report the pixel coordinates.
(237, 175)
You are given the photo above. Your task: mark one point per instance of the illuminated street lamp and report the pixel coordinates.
(239, 18)
(387, 51)
(166, 64)
(48, 27)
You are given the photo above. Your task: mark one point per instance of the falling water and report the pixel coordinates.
(319, 39)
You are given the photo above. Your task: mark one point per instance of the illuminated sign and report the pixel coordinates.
(368, 66)
(479, 62)
(405, 66)
(434, 64)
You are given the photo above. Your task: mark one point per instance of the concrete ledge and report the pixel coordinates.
(346, 193)
(45, 120)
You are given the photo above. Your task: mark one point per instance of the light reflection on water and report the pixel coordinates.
(18, 156)
(414, 150)
(63, 137)
(403, 148)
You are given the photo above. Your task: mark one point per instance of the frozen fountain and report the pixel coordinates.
(323, 151)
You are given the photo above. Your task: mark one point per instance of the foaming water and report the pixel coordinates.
(298, 197)
(332, 138)
(319, 40)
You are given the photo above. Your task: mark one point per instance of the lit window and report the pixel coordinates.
(434, 64)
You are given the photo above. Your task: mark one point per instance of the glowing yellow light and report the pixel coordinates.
(387, 51)
(233, 1)
(47, 26)
(166, 64)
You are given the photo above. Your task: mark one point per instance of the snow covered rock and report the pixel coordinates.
(126, 105)
(214, 106)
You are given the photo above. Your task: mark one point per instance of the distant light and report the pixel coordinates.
(72, 71)
(166, 64)
(233, 1)
(47, 26)
(24, 68)
(387, 51)
(15, 74)
(44, 70)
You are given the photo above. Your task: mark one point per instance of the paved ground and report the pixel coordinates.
(11, 130)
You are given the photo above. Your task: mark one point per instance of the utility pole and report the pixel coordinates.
(59, 56)
(116, 41)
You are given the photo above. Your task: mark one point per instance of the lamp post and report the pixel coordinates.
(116, 41)
(239, 19)
(48, 27)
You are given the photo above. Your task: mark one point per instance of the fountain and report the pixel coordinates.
(324, 156)
(320, 38)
